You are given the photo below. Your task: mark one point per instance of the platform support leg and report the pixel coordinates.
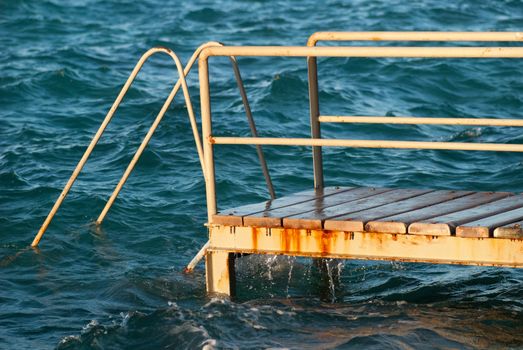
(219, 268)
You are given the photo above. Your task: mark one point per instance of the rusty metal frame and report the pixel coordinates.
(226, 242)
(368, 245)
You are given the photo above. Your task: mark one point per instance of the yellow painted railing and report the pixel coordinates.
(316, 118)
(182, 72)
(312, 52)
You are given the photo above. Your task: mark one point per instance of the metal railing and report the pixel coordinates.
(312, 52)
(182, 72)
(317, 119)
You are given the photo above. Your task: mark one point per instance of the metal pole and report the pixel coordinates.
(205, 101)
(366, 51)
(314, 105)
(419, 120)
(414, 36)
(462, 146)
(197, 258)
(252, 126)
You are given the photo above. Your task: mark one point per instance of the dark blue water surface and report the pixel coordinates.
(62, 64)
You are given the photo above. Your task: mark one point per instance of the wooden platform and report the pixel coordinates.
(385, 210)
(418, 225)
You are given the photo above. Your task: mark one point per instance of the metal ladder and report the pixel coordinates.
(183, 72)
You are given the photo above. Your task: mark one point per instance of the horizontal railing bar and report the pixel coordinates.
(414, 36)
(419, 120)
(499, 147)
(365, 51)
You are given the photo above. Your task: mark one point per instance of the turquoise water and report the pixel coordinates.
(121, 286)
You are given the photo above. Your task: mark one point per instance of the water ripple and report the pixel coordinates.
(121, 286)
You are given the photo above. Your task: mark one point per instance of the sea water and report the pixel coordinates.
(62, 64)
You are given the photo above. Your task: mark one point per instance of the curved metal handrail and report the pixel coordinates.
(152, 129)
(108, 118)
(196, 133)
(181, 82)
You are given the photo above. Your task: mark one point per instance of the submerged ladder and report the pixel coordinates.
(182, 72)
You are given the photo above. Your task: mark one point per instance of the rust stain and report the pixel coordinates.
(376, 246)
(318, 238)
(290, 240)
(333, 241)
(284, 240)
(326, 238)
(296, 237)
(211, 140)
(254, 235)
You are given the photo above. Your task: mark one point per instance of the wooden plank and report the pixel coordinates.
(234, 216)
(355, 221)
(406, 205)
(445, 225)
(314, 219)
(273, 218)
(512, 230)
(219, 272)
(483, 227)
(399, 223)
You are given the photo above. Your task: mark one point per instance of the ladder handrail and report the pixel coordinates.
(196, 133)
(181, 82)
(108, 118)
(151, 131)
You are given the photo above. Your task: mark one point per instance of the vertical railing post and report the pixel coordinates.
(205, 101)
(314, 106)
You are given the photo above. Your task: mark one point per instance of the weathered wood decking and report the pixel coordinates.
(385, 210)
(437, 226)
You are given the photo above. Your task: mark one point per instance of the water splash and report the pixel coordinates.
(270, 263)
(290, 260)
